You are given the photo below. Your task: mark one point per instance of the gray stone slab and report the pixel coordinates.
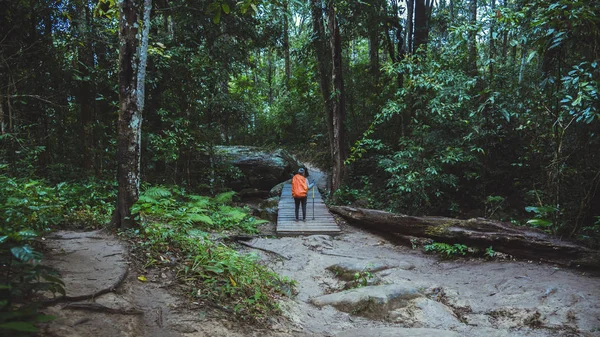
(397, 332)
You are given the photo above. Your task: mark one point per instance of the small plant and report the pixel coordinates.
(361, 279)
(489, 252)
(542, 216)
(446, 249)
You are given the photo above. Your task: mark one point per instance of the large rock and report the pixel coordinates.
(397, 332)
(347, 270)
(423, 312)
(371, 301)
(259, 168)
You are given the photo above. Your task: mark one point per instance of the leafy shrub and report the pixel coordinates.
(23, 276)
(174, 223)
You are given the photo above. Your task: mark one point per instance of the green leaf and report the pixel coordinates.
(19, 326)
(195, 217)
(217, 18)
(225, 8)
(540, 222)
(44, 318)
(24, 253)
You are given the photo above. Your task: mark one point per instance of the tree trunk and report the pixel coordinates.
(481, 233)
(286, 45)
(2, 124)
(132, 69)
(410, 8)
(270, 74)
(85, 56)
(492, 40)
(472, 64)
(322, 52)
(339, 103)
(373, 32)
(421, 30)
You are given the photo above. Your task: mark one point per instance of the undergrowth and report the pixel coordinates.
(175, 225)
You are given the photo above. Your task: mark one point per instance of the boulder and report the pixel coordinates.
(258, 168)
(346, 270)
(370, 301)
(276, 190)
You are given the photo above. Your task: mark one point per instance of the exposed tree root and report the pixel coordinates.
(100, 292)
(90, 306)
(264, 250)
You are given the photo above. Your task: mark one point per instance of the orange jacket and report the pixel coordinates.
(299, 186)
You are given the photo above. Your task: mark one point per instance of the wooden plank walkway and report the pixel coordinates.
(323, 222)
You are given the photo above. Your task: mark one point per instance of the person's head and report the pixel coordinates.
(301, 171)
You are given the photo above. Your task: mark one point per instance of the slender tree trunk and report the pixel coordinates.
(270, 74)
(132, 70)
(472, 38)
(85, 64)
(2, 124)
(420, 25)
(373, 32)
(323, 52)
(286, 45)
(410, 10)
(339, 103)
(492, 40)
(504, 40)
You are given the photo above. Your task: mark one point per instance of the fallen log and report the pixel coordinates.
(504, 237)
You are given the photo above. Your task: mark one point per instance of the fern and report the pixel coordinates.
(195, 217)
(157, 192)
(224, 198)
(234, 214)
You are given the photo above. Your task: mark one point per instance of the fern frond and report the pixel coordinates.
(224, 198)
(157, 192)
(236, 214)
(195, 217)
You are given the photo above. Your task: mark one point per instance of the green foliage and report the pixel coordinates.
(176, 207)
(23, 276)
(361, 279)
(172, 222)
(36, 205)
(447, 250)
(543, 214)
(489, 252)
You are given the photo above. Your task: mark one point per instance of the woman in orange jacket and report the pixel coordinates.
(300, 187)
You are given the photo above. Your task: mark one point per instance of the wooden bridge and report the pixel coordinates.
(319, 221)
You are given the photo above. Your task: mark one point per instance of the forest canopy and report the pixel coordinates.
(459, 108)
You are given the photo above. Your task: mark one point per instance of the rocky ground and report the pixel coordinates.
(403, 293)
(354, 284)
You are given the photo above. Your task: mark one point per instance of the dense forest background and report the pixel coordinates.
(450, 107)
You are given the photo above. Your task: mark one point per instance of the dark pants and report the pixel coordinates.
(297, 201)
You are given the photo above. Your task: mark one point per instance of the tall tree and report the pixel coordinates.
(410, 11)
(132, 76)
(492, 40)
(421, 26)
(338, 102)
(472, 38)
(286, 44)
(85, 62)
(323, 57)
